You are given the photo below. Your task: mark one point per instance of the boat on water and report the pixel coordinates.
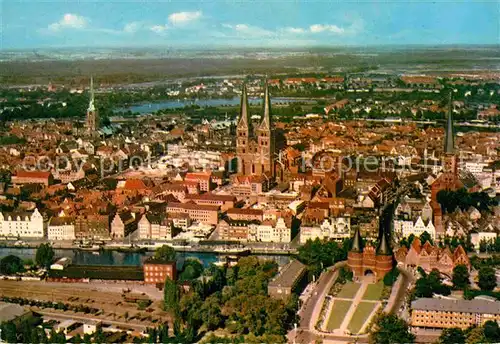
(132, 249)
(89, 247)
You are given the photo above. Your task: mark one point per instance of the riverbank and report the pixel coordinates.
(116, 258)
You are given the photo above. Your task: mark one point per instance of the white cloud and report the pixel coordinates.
(69, 21)
(180, 18)
(132, 27)
(316, 28)
(294, 30)
(249, 30)
(159, 28)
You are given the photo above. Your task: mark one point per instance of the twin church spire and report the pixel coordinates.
(245, 120)
(255, 146)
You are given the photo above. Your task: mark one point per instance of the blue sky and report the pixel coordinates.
(246, 23)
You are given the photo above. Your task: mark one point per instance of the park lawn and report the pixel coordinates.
(374, 291)
(339, 310)
(360, 315)
(349, 290)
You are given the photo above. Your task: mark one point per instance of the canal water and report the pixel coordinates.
(121, 258)
(175, 104)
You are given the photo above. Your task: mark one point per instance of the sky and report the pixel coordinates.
(245, 23)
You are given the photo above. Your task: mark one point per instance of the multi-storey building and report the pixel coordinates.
(430, 257)
(156, 271)
(225, 202)
(234, 229)
(246, 214)
(337, 228)
(208, 214)
(22, 224)
(154, 227)
(278, 231)
(123, 224)
(445, 313)
(61, 228)
(403, 228)
(255, 148)
(204, 180)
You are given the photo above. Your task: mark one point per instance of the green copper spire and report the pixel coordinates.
(449, 145)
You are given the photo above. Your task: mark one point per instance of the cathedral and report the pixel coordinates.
(92, 122)
(255, 147)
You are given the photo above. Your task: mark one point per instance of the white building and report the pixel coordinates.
(403, 228)
(61, 228)
(270, 231)
(152, 227)
(338, 228)
(22, 224)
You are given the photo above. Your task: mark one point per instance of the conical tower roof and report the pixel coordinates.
(384, 248)
(449, 144)
(357, 242)
(91, 101)
(266, 117)
(244, 120)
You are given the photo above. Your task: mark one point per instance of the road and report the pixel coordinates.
(122, 324)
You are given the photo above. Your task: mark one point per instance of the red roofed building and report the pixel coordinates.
(32, 177)
(204, 179)
(208, 214)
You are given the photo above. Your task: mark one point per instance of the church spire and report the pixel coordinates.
(449, 145)
(244, 121)
(266, 117)
(91, 101)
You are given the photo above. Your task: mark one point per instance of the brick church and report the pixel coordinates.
(255, 146)
(448, 179)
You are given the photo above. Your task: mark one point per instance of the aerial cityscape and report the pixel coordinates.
(250, 172)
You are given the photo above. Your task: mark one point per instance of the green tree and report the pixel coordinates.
(452, 335)
(460, 277)
(9, 332)
(425, 237)
(44, 255)
(492, 331)
(390, 329)
(391, 277)
(165, 253)
(11, 265)
(487, 278)
(171, 296)
(475, 336)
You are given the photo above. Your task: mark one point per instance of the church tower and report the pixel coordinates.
(92, 123)
(243, 135)
(265, 137)
(449, 157)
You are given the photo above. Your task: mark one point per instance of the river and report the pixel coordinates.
(144, 108)
(122, 259)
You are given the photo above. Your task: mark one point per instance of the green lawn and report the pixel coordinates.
(339, 310)
(360, 315)
(349, 290)
(374, 291)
